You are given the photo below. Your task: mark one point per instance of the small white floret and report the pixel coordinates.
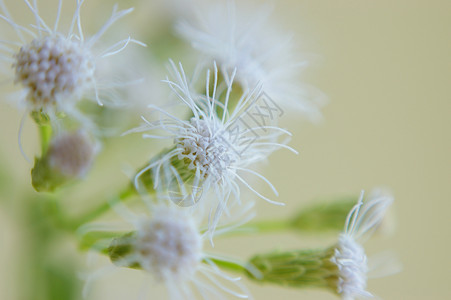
(169, 245)
(207, 150)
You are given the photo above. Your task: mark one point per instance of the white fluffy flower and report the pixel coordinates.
(167, 244)
(56, 69)
(245, 40)
(214, 148)
(349, 256)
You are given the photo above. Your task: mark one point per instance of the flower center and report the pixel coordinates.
(206, 146)
(52, 68)
(169, 245)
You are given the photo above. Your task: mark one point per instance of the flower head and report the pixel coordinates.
(56, 69)
(349, 255)
(69, 156)
(245, 41)
(343, 268)
(215, 148)
(52, 69)
(168, 244)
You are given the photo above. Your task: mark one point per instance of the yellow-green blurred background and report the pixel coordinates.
(386, 67)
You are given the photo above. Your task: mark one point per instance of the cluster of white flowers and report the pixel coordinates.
(224, 122)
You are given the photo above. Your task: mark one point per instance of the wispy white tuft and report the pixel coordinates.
(56, 69)
(168, 245)
(246, 40)
(350, 256)
(215, 148)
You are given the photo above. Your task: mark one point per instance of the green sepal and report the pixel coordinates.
(323, 217)
(44, 178)
(303, 268)
(168, 182)
(121, 249)
(98, 240)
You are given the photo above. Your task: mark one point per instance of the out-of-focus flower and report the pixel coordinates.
(72, 153)
(167, 244)
(56, 69)
(245, 40)
(70, 156)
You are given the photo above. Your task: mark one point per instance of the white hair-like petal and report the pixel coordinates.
(215, 149)
(57, 69)
(246, 41)
(349, 255)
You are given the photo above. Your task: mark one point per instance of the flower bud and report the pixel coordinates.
(70, 155)
(323, 217)
(343, 268)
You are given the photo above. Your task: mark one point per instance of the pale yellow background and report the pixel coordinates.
(386, 67)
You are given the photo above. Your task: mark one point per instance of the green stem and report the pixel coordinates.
(45, 274)
(102, 208)
(327, 217)
(45, 132)
(146, 179)
(45, 129)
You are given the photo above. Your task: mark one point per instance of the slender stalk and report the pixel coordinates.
(45, 129)
(45, 274)
(324, 217)
(45, 132)
(125, 195)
